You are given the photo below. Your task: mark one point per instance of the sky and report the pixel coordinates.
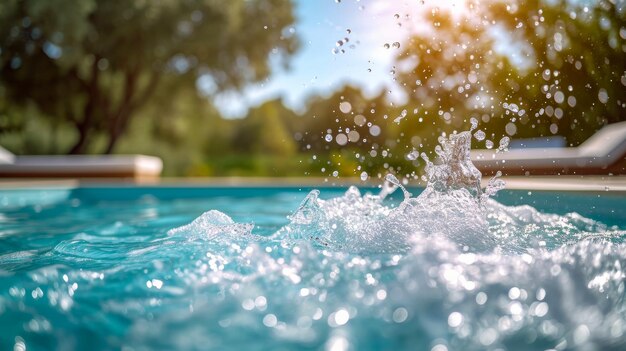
(317, 68)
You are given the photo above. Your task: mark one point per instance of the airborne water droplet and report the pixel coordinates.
(479, 135)
(375, 130)
(386, 46)
(401, 117)
(364, 176)
(345, 107)
(396, 45)
(341, 139)
(474, 123)
(504, 143)
(360, 120)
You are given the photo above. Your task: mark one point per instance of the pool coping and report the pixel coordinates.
(615, 184)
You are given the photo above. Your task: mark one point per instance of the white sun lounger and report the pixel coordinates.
(602, 153)
(79, 166)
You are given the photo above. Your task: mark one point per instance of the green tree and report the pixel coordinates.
(530, 68)
(345, 110)
(182, 133)
(265, 131)
(451, 73)
(94, 64)
(576, 81)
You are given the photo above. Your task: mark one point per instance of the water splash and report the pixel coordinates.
(450, 268)
(456, 170)
(211, 224)
(452, 206)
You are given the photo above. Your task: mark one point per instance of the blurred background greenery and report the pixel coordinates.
(121, 76)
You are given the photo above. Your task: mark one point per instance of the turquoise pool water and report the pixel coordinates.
(100, 268)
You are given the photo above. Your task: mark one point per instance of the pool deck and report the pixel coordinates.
(540, 183)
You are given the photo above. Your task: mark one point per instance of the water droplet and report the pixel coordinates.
(571, 101)
(375, 130)
(381, 294)
(353, 136)
(341, 317)
(514, 293)
(474, 123)
(489, 144)
(386, 46)
(481, 298)
(345, 107)
(488, 336)
(413, 155)
(270, 320)
(472, 77)
(603, 96)
(341, 139)
(559, 97)
(541, 309)
(504, 143)
(510, 128)
(396, 45)
(19, 345)
(360, 120)
(581, 334)
(157, 283)
(554, 128)
(479, 135)
(328, 138)
(364, 176)
(511, 107)
(400, 315)
(337, 343)
(455, 319)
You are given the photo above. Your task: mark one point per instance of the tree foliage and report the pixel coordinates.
(530, 68)
(95, 63)
(522, 68)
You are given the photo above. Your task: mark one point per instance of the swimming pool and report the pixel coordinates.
(98, 267)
